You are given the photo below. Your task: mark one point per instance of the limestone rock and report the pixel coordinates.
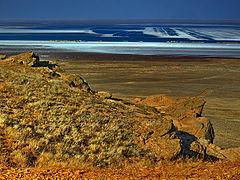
(28, 58)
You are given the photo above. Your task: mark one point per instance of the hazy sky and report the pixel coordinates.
(121, 9)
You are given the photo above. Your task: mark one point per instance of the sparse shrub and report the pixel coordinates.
(19, 158)
(44, 159)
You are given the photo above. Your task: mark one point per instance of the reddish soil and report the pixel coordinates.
(180, 170)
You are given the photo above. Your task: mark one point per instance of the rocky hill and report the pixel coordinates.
(49, 117)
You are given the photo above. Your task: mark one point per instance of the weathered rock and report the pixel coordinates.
(187, 107)
(185, 113)
(160, 101)
(2, 56)
(167, 149)
(75, 80)
(191, 128)
(231, 154)
(200, 127)
(196, 133)
(198, 148)
(28, 58)
(46, 71)
(104, 94)
(158, 137)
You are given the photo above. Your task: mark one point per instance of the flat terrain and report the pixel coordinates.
(177, 77)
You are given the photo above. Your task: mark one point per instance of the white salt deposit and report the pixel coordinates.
(144, 48)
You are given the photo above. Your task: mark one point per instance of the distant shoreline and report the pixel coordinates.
(127, 57)
(207, 40)
(145, 50)
(81, 56)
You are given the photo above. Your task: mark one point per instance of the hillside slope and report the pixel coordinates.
(51, 118)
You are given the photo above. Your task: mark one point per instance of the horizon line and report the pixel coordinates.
(122, 20)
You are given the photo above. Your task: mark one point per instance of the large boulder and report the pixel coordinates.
(231, 154)
(28, 58)
(195, 132)
(187, 121)
(185, 113)
(157, 136)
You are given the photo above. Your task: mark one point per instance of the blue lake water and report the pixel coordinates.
(146, 39)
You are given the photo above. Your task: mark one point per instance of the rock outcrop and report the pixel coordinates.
(74, 80)
(195, 132)
(186, 114)
(29, 58)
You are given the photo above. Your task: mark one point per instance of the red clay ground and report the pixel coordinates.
(180, 170)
